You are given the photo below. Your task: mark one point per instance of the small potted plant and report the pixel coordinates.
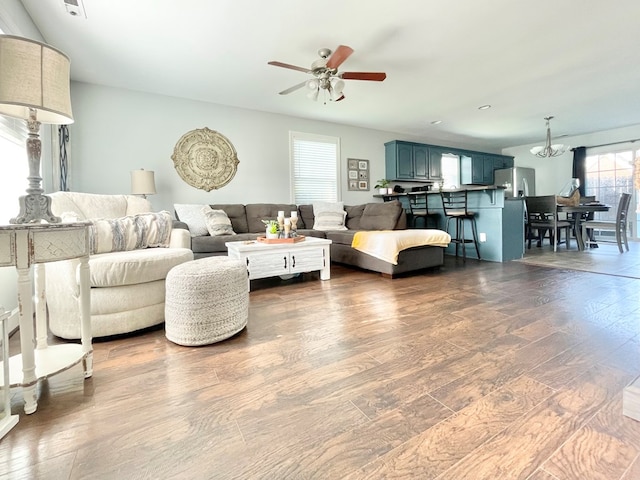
(272, 228)
(383, 186)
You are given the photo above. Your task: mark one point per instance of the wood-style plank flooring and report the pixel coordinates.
(474, 371)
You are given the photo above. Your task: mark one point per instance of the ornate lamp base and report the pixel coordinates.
(34, 208)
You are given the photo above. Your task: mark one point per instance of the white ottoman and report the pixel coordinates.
(206, 301)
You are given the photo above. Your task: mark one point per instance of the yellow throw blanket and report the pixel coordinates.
(386, 244)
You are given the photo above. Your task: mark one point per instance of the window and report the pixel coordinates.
(450, 170)
(15, 169)
(609, 174)
(314, 168)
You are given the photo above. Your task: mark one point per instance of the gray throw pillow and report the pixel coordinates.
(218, 222)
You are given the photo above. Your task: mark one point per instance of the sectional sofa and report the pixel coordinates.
(247, 224)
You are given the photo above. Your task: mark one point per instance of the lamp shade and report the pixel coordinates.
(35, 76)
(143, 182)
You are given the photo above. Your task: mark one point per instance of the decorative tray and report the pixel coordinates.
(299, 238)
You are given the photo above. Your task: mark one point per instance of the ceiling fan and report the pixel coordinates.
(326, 76)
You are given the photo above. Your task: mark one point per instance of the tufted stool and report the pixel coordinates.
(207, 300)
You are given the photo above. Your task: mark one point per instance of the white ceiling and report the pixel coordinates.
(575, 59)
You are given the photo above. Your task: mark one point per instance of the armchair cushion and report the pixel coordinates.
(116, 269)
(130, 233)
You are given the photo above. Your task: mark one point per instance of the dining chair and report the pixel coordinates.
(619, 226)
(456, 208)
(542, 216)
(418, 204)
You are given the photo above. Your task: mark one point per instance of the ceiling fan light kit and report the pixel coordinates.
(326, 76)
(549, 150)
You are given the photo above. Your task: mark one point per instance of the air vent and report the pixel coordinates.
(75, 8)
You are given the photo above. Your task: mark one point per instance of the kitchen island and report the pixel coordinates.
(500, 221)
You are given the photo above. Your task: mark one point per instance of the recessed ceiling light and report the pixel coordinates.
(484, 107)
(436, 122)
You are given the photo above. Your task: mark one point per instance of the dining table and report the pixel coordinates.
(581, 211)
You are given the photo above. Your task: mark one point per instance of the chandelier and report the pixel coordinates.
(549, 150)
(330, 86)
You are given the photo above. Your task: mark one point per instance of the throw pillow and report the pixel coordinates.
(328, 207)
(329, 216)
(193, 216)
(329, 221)
(218, 222)
(130, 233)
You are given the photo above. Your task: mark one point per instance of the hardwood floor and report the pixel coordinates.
(474, 371)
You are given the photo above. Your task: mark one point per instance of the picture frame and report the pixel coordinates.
(357, 174)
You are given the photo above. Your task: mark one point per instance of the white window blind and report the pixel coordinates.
(314, 168)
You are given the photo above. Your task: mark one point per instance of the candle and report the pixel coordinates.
(287, 221)
(280, 213)
(294, 214)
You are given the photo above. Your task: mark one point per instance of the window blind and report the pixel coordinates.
(314, 168)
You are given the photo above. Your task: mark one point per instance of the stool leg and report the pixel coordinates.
(463, 240)
(474, 229)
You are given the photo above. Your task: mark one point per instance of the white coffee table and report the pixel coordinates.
(273, 259)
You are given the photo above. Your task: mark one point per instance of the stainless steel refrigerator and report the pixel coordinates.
(519, 181)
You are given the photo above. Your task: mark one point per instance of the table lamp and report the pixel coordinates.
(143, 182)
(34, 86)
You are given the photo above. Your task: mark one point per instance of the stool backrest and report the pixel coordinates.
(454, 202)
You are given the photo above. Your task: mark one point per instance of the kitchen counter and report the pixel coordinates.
(500, 222)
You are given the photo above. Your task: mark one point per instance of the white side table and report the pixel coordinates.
(7, 421)
(23, 246)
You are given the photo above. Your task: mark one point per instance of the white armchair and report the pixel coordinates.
(127, 287)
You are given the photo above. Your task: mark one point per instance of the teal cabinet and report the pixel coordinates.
(478, 168)
(422, 162)
(407, 161)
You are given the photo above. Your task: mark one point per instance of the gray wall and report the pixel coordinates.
(116, 131)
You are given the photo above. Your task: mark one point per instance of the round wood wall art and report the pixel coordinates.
(205, 159)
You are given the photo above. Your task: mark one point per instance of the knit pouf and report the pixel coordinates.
(207, 300)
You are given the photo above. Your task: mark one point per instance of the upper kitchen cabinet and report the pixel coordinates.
(477, 168)
(409, 161)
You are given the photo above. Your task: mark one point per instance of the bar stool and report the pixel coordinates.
(455, 208)
(420, 210)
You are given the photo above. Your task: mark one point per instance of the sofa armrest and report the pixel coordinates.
(180, 238)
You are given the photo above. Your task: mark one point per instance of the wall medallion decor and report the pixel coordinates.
(205, 159)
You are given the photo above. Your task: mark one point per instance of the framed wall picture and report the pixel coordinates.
(358, 174)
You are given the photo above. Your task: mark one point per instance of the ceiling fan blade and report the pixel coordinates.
(292, 67)
(339, 56)
(293, 89)
(372, 76)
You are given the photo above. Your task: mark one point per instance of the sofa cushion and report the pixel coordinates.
(192, 215)
(354, 214)
(380, 216)
(341, 237)
(305, 216)
(218, 223)
(216, 244)
(135, 266)
(256, 212)
(130, 233)
(237, 214)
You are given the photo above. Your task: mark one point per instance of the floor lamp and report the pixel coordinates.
(34, 86)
